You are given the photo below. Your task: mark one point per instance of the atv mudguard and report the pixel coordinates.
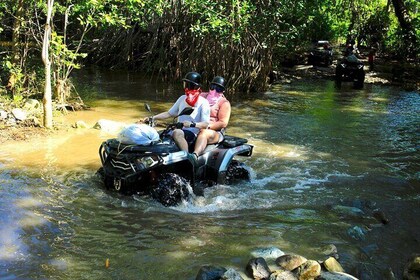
(218, 159)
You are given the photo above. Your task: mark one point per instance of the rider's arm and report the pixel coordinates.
(223, 116)
(172, 112)
(162, 116)
(201, 124)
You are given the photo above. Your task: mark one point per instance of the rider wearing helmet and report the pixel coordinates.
(220, 110)
(192, 123)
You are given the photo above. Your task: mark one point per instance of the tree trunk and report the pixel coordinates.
(408, 30)
(47, 101)
(17, 24)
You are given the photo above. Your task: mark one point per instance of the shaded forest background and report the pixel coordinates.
(240, 39)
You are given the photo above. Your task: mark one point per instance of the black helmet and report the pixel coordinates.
(192, 80)
(218, 83)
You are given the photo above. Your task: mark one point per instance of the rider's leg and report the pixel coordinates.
(178, 136)
(206, 136)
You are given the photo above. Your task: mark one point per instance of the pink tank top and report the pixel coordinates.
(214, 110)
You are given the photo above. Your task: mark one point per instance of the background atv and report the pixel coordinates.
(168, 174)
(321, 54)
(350, 68)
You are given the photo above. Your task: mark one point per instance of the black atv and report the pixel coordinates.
(321, 54)
(165, 172)
(350, 68)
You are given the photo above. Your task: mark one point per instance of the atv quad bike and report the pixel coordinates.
(350, 68)
(165, 172)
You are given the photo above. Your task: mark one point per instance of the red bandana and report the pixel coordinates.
(192, 96)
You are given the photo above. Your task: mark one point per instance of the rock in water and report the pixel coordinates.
(332, 265)
(380, 216)
(308, 270)
(357, 233)
(348, 211)
(80, 124)
(282, 275)
(326, 275)
(210, 272)
(412, 268)
(267, 253)
(290, 262)
(111, 127)
(258, 269)
(231, 274)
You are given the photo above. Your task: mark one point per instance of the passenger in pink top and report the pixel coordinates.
(219, 116)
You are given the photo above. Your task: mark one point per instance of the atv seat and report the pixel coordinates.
(228, 142)
(211, 147)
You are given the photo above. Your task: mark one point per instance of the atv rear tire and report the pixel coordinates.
(338, 76)
(237, 171)
(360, 80)
(171, 189)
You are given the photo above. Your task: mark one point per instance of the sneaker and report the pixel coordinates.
(193, 158)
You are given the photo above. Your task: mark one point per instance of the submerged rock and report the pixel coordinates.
(412, 268)
(357, 233)
(326, 275)
(80, 124)
(209, 272)
(231, 274)
(329, 250)
(370, 249)
(348, 211)
(380, 216)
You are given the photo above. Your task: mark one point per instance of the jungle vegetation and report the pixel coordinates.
(240, 39)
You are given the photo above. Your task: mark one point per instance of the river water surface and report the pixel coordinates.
(321, 154)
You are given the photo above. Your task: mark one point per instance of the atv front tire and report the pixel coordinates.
(237, 171)
(360, 79)
(171, 189)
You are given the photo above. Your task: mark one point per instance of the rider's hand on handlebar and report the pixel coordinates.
(187, 123)
(148, 120)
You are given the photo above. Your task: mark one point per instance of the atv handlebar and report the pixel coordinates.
(150, 122)
(172, 126)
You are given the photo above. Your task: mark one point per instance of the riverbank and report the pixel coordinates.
(20, 123)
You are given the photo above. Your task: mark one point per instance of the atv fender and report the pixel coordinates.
(220, 159)
(175, 157)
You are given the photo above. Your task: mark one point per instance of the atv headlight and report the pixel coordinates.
(360, 66)
(147, 162)
(343, 65)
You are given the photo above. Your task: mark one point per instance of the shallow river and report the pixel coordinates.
(321, 154)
